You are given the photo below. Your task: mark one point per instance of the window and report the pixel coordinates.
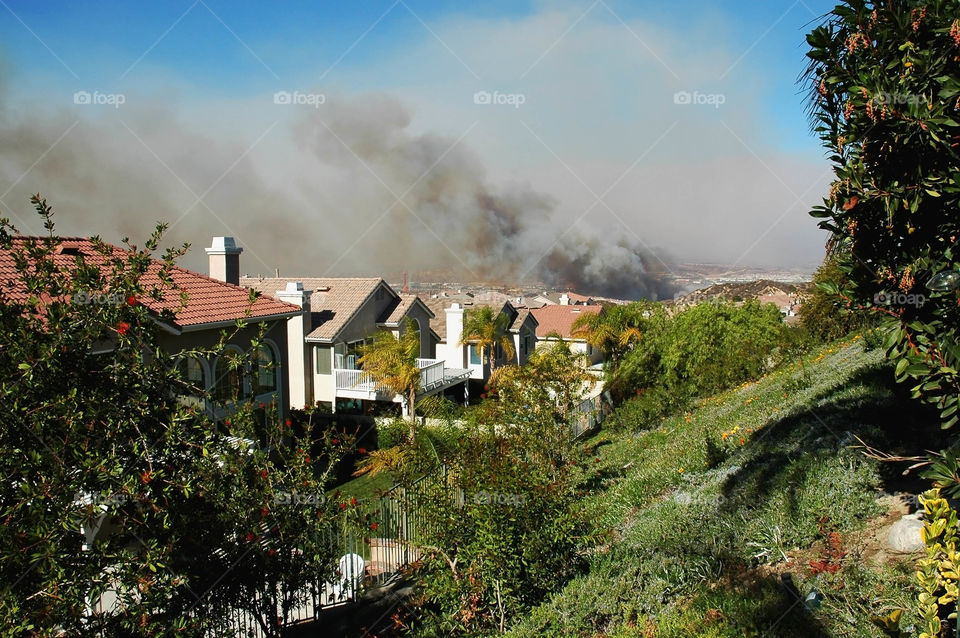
(229, 376)
(265, 374)
(354, 352)
(192, 372)
(322, 356)
(474, 355)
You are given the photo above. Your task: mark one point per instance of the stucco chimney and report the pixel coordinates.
(224, 260)
(299, 369)
(564, 299)
(454, 351)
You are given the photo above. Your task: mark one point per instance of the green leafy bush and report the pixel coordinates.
(647, 409)
(504, 528)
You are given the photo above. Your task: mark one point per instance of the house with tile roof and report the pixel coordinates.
(449, 310)
(191, 316)
(568, 298)
(556, 322)
(340, 315)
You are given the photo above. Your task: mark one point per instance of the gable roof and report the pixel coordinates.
(333, 302)
(522, 315)
(209, 301)
(397, 310)
(560, 319)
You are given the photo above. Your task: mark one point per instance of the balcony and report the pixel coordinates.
(434, 376)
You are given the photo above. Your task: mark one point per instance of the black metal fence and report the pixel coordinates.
(367, 561)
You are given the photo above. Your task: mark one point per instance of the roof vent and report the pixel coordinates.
(69, 249)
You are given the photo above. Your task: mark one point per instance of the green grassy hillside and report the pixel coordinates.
(722, 520)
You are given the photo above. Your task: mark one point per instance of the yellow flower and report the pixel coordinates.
(680, 470)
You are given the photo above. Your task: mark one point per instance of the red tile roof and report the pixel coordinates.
(560, 319)
(209, 301)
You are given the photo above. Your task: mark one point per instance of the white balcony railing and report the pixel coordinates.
(357, 382)
(431, 373)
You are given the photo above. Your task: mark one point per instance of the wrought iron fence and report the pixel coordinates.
(367, 561)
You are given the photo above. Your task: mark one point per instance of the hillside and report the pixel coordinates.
(722, 521)
(740, 290)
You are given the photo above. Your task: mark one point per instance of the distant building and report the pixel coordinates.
(450, 309)
(556, 321)
(563, 299)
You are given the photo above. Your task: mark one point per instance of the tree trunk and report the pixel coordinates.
(413, 414)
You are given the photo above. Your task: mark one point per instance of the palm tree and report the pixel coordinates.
(612, 331)
(485, 330)
(392, 363)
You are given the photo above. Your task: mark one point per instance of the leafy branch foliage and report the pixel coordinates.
(885, 96)
(103, 434)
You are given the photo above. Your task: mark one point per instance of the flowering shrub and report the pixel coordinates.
(115, 478)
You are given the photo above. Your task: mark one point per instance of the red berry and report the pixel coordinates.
(250, 537)
(272, 552)
(123, 327)
(362, 450)
(131, 301)
(343, 506)
(289, 422)
(263, 474)
(373, 526)
(353, 501)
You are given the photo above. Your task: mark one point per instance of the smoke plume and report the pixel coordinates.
(448, 209)
(116, 172)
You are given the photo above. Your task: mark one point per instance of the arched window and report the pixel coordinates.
(191, 371)
(265, 370)
(229, 376)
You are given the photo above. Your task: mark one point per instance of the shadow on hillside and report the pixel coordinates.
(762, 606)
(886, 418)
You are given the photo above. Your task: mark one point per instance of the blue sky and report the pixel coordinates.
(721, 182)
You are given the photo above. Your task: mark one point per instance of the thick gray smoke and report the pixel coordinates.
(497, 233)
(116, 172)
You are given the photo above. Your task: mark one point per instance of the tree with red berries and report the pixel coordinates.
(885, 98)
(116, 486)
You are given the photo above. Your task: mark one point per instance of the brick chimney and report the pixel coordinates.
(224, 260)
